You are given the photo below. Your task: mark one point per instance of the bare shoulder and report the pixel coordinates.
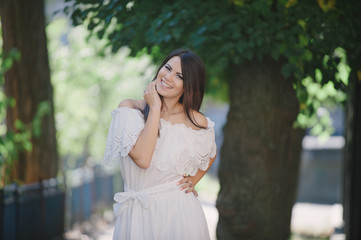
(131, 103)
(200, 118)
(140, 104)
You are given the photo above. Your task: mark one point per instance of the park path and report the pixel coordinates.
(101, 227)
(310, 219)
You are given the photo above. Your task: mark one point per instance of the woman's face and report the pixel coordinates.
(169, 81)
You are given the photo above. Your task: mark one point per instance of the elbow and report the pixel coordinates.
(143, 165)
(142, 162)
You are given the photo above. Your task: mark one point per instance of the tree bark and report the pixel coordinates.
(352, 165)
(260, 154)
(28, 81)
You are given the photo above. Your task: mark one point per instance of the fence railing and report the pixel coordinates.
(91, 190)
(32, 211)
(42, 210)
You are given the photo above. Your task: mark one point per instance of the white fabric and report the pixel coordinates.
(152, 205)
(123, 132)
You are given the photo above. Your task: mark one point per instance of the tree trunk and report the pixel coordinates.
(28, 81)
(352, 167)
(260, 154)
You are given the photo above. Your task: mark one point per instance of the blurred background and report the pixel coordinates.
(282, 90)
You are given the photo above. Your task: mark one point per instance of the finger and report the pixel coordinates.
(156, 88)
(185, 185)
(190, 189)
(153, 87)
(146, 89)
(149, 88)
(189, 186)
(184, 180)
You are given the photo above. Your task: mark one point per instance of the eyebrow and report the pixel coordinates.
(172, 68)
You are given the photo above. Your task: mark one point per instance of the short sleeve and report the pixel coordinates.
(125, 127)
(204, 148)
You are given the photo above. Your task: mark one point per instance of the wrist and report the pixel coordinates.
(155, 108)
(194, 180)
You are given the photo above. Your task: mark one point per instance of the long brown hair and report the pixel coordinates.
(194, 80)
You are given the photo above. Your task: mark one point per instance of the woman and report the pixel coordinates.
(165, 146)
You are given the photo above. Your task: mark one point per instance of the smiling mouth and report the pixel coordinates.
(164, 84)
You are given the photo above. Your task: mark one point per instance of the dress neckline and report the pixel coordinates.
(169, 123)
(210, 124)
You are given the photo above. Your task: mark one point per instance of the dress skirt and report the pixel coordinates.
(163, 212)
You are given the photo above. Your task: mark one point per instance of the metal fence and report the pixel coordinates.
(32, 211)
(91, 190)
(42, 210)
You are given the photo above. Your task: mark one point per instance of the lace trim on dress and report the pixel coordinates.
(200, 148)
(206, 151)
(202, 161)
(124, 130)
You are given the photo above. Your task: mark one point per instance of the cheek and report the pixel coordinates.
(161, 73)
(180, 85)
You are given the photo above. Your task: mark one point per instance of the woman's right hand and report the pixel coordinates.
(152, 97)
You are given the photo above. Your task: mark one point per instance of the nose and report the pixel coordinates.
(168, 76)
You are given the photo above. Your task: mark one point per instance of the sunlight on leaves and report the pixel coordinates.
(327, 5)
(89, 82)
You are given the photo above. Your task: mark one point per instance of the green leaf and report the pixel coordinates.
(28, 146)
(302, 23)
(287, 69)
(302, 95)
(307, 56)
(239, 3)
(303, 40)
(18, 124)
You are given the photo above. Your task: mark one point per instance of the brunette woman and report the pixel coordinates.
(165, 146)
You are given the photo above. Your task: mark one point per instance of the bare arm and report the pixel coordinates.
(143, 149)
(191, 181)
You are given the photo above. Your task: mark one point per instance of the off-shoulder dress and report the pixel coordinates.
(152, 205)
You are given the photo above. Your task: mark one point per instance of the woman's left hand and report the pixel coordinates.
(188, 184)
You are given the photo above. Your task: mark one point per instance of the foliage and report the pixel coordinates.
(89, 83)
(304, 35)
(320, 97)
(12, 142)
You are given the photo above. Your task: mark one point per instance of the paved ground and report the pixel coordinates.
(311, 220)
(101, 227)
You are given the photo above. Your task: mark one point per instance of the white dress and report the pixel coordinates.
(152, 205)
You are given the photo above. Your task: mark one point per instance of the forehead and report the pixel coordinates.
(175, 63)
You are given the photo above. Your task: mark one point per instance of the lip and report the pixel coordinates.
(165, 84)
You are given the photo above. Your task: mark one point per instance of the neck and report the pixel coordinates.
(171, 106)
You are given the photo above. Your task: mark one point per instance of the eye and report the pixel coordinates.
(167, 67)
(180, 76)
